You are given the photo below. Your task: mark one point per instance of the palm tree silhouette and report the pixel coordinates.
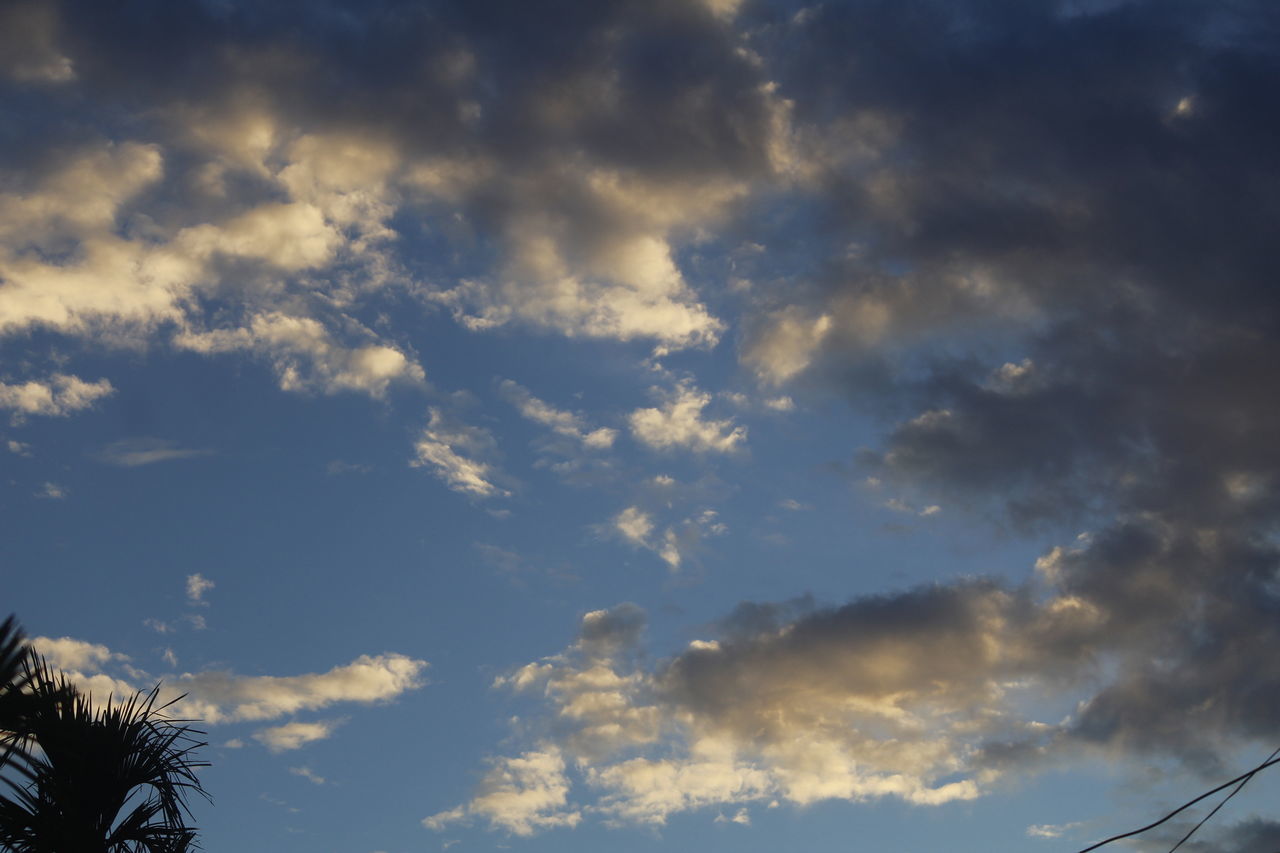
(109, 777)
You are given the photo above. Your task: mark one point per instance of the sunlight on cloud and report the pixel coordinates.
(568, 424)
(678, 423)
(57, 396)
(442, 446)
(306, 357)
(884, 697)
(520, 795)
(295, 735)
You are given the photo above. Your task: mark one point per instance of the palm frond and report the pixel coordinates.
(113, 776)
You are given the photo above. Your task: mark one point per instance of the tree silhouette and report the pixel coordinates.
(110, 777)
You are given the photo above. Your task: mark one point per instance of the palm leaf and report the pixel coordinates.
(112, 777)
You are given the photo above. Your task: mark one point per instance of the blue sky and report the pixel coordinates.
(698, 424)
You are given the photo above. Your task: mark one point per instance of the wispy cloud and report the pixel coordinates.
(132, 452)
(449, 449)
(568, 424)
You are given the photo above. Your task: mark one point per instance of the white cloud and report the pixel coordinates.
(57, 396)
(519, 795)
(449, 448)
(679, 424)
(218, 697)
(18, 447)
(295, 735)
(618, 282)
(306, 357)
(676, 541)
(634, 524)
(568, 424)
(291, 236)
(785, 344)
(71, 654)
(197, 586)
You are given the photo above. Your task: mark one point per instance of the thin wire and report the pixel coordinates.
(1263, 766)
(1225, 800)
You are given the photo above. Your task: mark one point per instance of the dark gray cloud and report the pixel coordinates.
(1056, 262)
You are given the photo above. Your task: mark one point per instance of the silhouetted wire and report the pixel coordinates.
(1225, 800)
(1243, 776)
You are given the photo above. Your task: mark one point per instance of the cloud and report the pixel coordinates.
(197, 586)
(930, 695)
(634, 524)
(568, 424)
(132, 452)
(679, 424)
(218, 697)
(308, 774)
(29, 45)
(244, 189)
(57, 396)
(519, 795)
(448, 448)
(1050, 830)
(73, 654)
(295, 735)
(306, 357)
(52, 491)
(676, 541)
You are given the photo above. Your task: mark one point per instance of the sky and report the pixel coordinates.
(679, 424)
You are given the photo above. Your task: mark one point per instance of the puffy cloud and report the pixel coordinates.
(448, 448)
(295, 735)
(925, 695)
(59, 395)
(519, 795)
(634, 524)
(250, 189)
(72, 654)
(883, 697)
(679, 424)
(305, 355)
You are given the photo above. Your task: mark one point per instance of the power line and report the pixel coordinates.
(1243, 777)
